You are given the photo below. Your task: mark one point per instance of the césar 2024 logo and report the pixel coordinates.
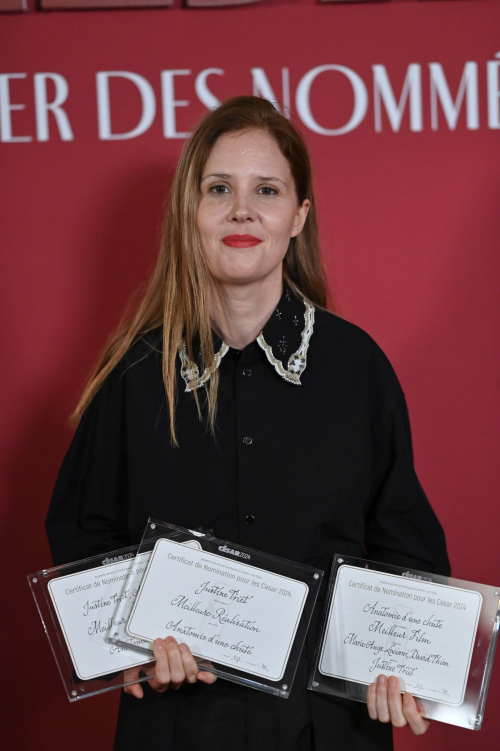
(238, 553)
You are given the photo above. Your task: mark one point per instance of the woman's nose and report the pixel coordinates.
(242, 208)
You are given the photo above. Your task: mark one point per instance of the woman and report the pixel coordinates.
(234, 400)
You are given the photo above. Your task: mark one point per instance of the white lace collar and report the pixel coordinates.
(278, 334)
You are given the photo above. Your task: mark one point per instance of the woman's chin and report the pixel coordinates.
(240, 276)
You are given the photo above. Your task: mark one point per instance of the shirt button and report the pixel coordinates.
(250, 519)
(247, 371)
(247, 440)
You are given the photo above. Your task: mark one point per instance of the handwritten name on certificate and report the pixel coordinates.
(226, 611)
(417, 630)
(86, 604)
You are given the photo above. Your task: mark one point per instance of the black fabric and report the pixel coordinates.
(329, 470)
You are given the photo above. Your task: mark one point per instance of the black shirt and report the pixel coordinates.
(312, 456)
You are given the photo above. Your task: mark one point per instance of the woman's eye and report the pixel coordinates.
(266, 188)
(214, 189)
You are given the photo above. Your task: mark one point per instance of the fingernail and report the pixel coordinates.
(184, 648)
(372, 688)
(170, 640)
(392, 682)
(406, 698)
(159, 643)
(381, 680)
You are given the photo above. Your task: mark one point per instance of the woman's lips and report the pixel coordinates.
(241, 241)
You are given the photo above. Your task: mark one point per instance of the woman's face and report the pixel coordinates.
(248, 208)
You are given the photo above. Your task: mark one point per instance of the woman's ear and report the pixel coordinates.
(300, 217)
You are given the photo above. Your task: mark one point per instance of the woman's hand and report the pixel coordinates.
(174, 666)
(386, 704)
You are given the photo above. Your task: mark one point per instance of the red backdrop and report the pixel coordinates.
(409, 222)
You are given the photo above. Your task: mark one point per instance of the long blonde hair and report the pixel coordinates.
(177, 295)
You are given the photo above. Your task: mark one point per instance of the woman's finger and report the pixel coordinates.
(176, 667)
(395, 702)
(371, 700)
(189, 663)
(135, 689)
(206, 677)
(381, 700)
(161, 675)
(413, 715)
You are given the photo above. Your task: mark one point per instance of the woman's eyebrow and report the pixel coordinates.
(221, 175)
(268, 178)
(225, 176)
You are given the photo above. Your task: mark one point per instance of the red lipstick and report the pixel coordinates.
(241, 241)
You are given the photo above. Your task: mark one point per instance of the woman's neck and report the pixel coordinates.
(239, 312)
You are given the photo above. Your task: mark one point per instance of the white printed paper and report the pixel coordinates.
(420, 631)
(86, 605)
(226, 611)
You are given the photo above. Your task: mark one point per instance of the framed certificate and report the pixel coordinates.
(77, 603)
(436, 634)
(244, 614)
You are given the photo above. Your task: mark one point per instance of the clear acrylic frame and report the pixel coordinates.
(76, 623)
(339, 675)
(235, 556)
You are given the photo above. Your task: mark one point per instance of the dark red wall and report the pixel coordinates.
(409, 223)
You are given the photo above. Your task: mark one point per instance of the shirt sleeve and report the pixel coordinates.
(88, 510)
(401, 526)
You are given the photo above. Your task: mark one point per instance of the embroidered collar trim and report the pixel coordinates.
(298, 361)
(292, 372)
(190, 371)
